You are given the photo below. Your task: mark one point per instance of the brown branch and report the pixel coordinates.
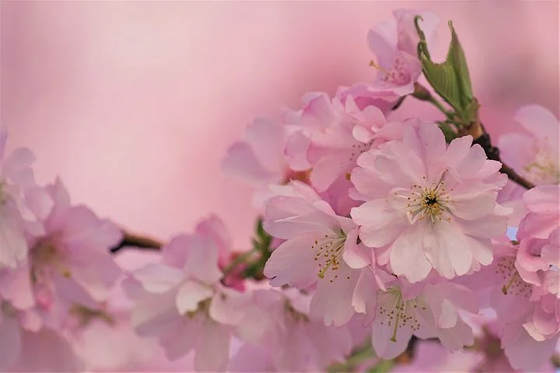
(493, 153)
(141, 242)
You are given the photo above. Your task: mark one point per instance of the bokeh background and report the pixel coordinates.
(134, 104)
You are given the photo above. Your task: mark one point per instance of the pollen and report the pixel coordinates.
(329, 254)
(427, 202)
(397, 313)
(513, 284)
(47, 257)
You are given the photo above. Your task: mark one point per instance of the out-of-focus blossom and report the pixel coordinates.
(534, 152)
(69, 263)
(429, 206)
(182, 302)
(281, 335)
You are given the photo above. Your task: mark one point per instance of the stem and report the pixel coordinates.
(423, 94)
(493, 153)
(240, 259)
(137, 241)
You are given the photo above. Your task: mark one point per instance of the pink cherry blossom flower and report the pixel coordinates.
(281, 335)
(321, 248)
(523, 351)
(428, 205)
(182, 302)
(69, 262)
(330, 127)
(426, 311)
(538, 261)
(394, 43)
(262, 158)
(528, 321)
(534, 152)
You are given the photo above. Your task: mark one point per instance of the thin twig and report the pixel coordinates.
(140, 242)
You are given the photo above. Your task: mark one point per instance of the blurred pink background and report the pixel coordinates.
(134, 104)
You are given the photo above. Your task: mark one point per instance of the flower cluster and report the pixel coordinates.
(376, 237)
(55, 267)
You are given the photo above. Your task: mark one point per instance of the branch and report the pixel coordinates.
(141, 242)
(493, 153)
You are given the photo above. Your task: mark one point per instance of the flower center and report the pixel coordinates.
(86, 315)
(513, 283)
(543, 169)
(397, 74)
(329, 253)
(424, 202)
(202, 310)
(396, 313)
(46, 257)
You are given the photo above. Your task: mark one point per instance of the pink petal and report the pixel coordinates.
(446, 249)
(378, 225)
(10, 340)
(212, 352)
(293, 263)
(182, 339)
(158, 278)
(333, 300)
(382, 40)
(202, 260)
(190, 294)
(241, 161)
(228, 307)
(356, 256)
(407, 255)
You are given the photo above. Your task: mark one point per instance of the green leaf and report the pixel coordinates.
(450, 78)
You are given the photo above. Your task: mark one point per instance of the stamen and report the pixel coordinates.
(329, 253)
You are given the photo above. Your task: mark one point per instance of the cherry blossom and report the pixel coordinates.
(182, 302)
(281, 335)
(426, 311)
(321, 248)
(428, 205)
(533, 152)
(394, 43)
(69, 263)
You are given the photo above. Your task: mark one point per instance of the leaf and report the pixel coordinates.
(450, 79)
